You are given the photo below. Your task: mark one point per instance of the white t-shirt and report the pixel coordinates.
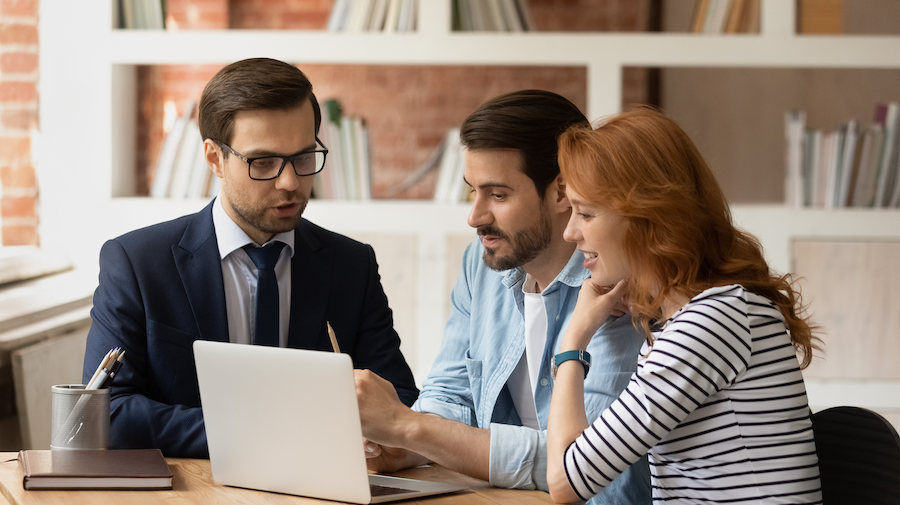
(523, 381)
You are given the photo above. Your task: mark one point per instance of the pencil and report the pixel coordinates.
(334, 344)
(100, 368)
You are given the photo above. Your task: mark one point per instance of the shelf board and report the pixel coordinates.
(144, 47)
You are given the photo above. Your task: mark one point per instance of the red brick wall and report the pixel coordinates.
(407, 108)
(18, 121)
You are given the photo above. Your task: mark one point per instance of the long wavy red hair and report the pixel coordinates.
(680, 239)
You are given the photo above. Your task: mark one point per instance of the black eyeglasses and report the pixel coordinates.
(267, 168)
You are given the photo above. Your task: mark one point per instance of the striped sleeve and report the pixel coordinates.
(702, 350)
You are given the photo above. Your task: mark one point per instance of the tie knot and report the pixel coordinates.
(264, 257)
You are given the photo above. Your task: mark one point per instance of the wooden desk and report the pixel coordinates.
(193, 484)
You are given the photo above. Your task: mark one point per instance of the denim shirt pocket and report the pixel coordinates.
(474, 370)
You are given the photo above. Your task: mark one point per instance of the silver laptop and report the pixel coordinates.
(286, 420)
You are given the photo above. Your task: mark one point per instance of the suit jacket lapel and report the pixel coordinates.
(200, 268)
(311, 269)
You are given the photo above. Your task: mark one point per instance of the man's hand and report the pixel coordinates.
(383, 416)
(383, 459)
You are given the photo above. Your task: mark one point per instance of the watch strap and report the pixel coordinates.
(576, 355)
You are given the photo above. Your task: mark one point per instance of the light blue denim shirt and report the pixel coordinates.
(484, 341)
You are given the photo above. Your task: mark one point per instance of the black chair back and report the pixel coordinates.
(859, 457)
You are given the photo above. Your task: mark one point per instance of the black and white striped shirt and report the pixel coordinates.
(719, 405)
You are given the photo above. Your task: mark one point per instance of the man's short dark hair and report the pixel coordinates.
(529, 121)
(252, 84)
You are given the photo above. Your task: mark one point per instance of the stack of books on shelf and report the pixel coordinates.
(491, 16)
(847, 167)
(181, 169)
(387, 16)
(726, 16)
(348, 165)
(142, 14)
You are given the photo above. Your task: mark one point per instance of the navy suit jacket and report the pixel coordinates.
(161, 288)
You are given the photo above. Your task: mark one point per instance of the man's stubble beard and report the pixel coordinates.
(526, 244)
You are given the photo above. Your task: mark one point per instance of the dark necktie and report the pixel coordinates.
(265, 330)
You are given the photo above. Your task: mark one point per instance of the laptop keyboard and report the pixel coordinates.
(377, 490)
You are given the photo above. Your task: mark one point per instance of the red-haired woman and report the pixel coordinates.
(718, 400)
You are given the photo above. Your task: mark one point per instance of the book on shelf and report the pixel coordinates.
(181, 169)
(168, 154)
(450, 185)
(726, 16)
(491, 16)
(794, 125)
(429, 165)
(849, 155)
(186, 160)
(850, 166)
(144, 469)
(887, 115)
(142, 14)
(347, 173)
(386, 16)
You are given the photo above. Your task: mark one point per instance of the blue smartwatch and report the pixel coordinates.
(562, 357)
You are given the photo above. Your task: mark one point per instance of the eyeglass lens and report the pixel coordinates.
(304, 164)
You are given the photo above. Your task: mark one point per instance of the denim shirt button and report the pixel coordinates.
(557, 317)
(544, 381)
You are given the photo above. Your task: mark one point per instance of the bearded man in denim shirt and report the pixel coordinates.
(488, 392)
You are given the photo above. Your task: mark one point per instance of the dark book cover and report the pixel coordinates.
(95, 469)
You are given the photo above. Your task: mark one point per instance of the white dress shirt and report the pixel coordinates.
(240, 275)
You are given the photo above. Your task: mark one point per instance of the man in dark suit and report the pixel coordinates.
(246, 269)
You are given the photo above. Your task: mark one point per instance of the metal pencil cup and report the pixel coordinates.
(80, 418)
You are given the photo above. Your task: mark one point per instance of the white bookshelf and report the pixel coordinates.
(88, 118)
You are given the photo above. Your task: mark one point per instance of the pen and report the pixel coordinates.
(113, 370)
(101, 379)
(334, 345)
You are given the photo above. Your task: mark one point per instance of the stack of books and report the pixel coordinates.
(846, 167)
(387, 16)
(726, 16)
(142, 14)
(348, 165)
(491, 16)
(181, 169)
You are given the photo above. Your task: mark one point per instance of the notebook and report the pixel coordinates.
(95, 469)
(286, 420)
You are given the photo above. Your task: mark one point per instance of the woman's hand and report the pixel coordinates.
(595, 305)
